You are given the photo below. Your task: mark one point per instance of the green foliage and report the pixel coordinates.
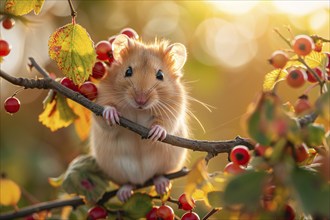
(84, 177)
(312, 191)
(137, 206)
(73, 50)
(245, 189)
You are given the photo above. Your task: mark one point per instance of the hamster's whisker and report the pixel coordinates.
(207, 106)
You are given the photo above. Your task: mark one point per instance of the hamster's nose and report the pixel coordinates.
(141, 99)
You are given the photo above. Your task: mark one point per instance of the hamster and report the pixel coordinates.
(143, 85)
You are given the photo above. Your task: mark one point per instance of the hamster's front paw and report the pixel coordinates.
(125, 192)
(111, 115)
(162, 184)
(157, 132)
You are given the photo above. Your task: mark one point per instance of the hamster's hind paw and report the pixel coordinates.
(162, 184)
(125, 192)
(111, 115)
(157, 132)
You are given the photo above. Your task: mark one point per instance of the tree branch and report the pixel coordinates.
(213, 148)
(77, 201)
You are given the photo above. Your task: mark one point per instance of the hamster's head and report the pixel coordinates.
(145, 76)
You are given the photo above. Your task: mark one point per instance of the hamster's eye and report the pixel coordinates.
(160, 75)
(129, 72)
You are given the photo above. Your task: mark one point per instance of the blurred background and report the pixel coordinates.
(228, 44)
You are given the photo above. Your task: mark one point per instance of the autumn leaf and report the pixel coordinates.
(198, 179)
(22, 7)
(73, 50)
(82, 123)
(10, 192)
(314, 59)
(57, 114)
(272, 78)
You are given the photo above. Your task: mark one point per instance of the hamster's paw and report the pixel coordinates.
(125, 192)
(111, 115)
(157, 132)
(162, 184)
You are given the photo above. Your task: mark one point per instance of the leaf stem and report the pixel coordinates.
(73, 12)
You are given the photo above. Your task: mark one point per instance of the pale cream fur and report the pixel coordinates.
(122, 154)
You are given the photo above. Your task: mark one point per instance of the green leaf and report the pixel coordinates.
(312, 191)
(22, 7)
(272, 78)
(73, 50)
(314, 134)
(84, 177)
(215, 199)
(66, 113)
(323, 105)
(138, 206)
(245, 189)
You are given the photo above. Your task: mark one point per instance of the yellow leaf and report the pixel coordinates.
(272, 78)
(57, 114)
(10, 193)
(22, 7)
(314, 59)
(198, 179)
(56, 181)
(83, 122)
(73, 50)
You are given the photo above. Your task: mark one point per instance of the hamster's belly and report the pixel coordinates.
(126, 158)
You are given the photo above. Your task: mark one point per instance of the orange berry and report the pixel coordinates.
(302, 45)
(279, 59)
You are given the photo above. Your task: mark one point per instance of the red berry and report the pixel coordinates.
(129, 32)
(190, 216)
(65, 81)
(296, 78)
(112, 39)
(328, 60)
(301, 153)
(289, 213)
(233, 168)
(152, 214)
(318, 46)
(89, 90)
(4, 48)
(8, 23)
(310, 76)
(103, 50)
(240, 155)
(302, 105)
(97, 212)
(99, 70)
(183, 203)
(165, 212)
(279, 59)
(302, 45)
(259, 150)
(12, 105)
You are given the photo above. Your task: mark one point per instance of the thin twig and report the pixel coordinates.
(73, 11)
(212, 212)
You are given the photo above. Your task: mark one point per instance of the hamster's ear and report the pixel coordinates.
(178, 53)
(119, 44)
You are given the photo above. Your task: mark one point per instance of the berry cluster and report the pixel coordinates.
(5, 47)
(302, 45)
(103, 51)
(239, 157)
(165, 212)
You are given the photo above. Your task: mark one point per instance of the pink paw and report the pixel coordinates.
(157, 132)
(110, 115)
(162, 184)
(125, 192)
